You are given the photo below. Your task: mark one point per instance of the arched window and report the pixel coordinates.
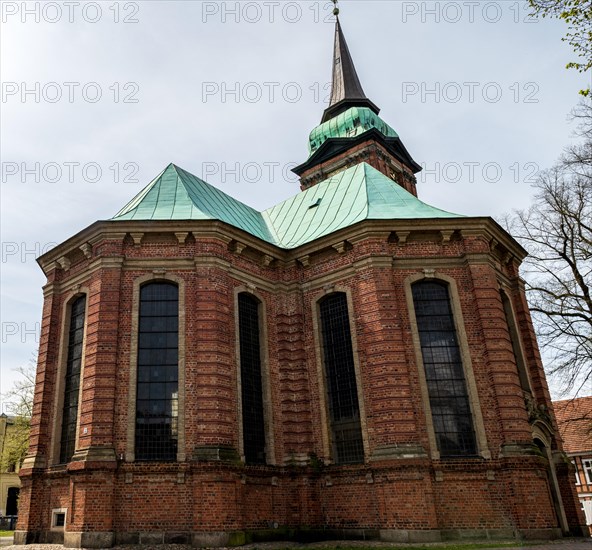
(72, 381)
(515, 339)
(447, 389)
(342, 391)
(157, 402)
(251, 379)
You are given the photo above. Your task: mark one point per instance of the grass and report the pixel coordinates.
(6, 533)
(467, 546)
(435, 546)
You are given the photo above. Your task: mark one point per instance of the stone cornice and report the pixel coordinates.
(500, 242)
(117, 231)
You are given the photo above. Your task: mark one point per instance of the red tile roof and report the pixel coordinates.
(574, 417)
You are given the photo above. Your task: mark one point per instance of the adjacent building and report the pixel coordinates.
(351, 362)
(574, 417)
(9, 479)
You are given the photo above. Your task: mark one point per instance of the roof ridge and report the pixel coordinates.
(137, 199)
(182, 173)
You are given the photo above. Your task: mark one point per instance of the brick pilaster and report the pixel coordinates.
(47, 369)
(98, 384)
(498, 356)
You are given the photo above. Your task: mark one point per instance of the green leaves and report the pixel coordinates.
(578, 15)
(15, 443)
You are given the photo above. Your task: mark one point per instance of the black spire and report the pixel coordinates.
(346, 90)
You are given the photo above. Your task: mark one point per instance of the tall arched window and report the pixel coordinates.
(251, 379)
(72, 382)
(515, 339)
(157, 402)
(342, 390)
(447, 388)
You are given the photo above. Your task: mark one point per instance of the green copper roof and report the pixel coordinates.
(351, 123)
(356, 194)
(178, 195)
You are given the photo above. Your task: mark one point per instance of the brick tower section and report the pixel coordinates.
(370, 151)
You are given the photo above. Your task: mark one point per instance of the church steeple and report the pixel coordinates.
(346, 90)
(351, 132)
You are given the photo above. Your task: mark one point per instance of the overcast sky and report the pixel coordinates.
(98, 97)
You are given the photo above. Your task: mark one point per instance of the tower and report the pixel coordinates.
(354, 361)
(352, 132)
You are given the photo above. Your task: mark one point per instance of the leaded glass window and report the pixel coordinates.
(72, 382)
(157, 402)
(515, 339)
(449, 400)
(251, 381)
(342, 391)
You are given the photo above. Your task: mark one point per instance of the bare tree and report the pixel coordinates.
(557, 232)
(19, 401)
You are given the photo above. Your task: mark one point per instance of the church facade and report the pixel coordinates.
(350, 363)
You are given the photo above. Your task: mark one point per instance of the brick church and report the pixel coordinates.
(350, 363)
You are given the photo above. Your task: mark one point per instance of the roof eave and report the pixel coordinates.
(118, 229)
(345, 104)
(328, 149)
(484, 225)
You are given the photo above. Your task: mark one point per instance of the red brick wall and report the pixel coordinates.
(406, 493)
(368, 151)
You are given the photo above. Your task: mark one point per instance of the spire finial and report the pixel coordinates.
(336, 9)
(346, 90)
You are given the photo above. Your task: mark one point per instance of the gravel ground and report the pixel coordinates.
(562, 544)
